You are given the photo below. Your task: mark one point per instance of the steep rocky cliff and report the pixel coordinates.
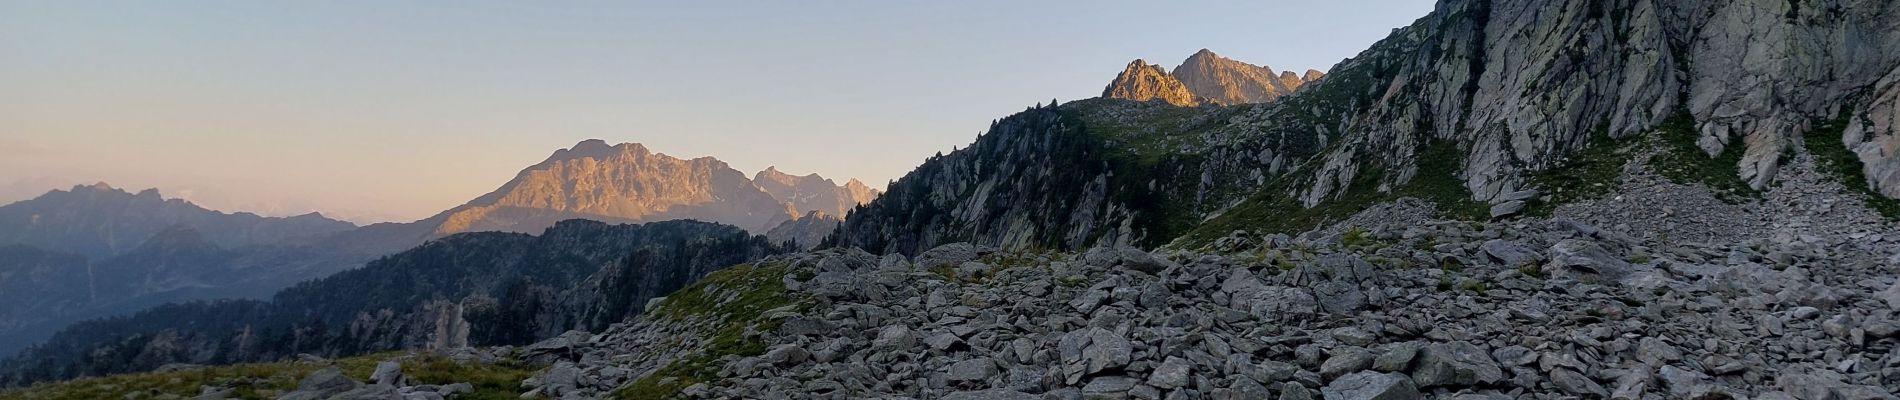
(484, 288)
(1486, 107)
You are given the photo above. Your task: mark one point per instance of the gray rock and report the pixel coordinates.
(1397, 357)
(943, 341)
(974, 369)
(1345, 360)
(895, 337)
(1585, 260)
(1339, 297)
(1270, 371)
(454, 389)
(323, 384)
(1368, 385)
(1509, 253)
(1025, 379)
(1891, 296)
(787, 355)
(1455, 363)
(1354, 336)
(1110, 384)
(1295, 391)
(949, 255)
(991, 394)
(1507, 208)
(1173, 373)
(388, 373)
(1091, 350)
(370, 392)
(1575, 383)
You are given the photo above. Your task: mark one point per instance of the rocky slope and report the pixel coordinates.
(99, 221)
(484, 288)
(1396, 308)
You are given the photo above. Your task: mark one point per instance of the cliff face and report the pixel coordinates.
(1224, 81)
(804, 194)
(1471, 103)
(1522, 84)
(619, 183)
(805, 232)
(1206, 78)
(1142, 81)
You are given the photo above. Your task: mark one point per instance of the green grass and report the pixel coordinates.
(267, 380)
(759, 289)
(1589, 174)
(1836, 161)
(1272, 211)
(1682, 161)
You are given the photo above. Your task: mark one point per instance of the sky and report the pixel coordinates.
(392, 111)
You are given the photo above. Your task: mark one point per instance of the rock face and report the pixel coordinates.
(1521, 84)
(99, 221)
(1224, 81)
(1030, 181)
(805, 232)
(1472, 102)
(480, 289)
(1142, 81)
(617, 183)
(629, 183)
(1206, 78)
(805, 194)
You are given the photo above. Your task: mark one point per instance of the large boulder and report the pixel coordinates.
(1088, 351)
(949, 255)
(1509, 253)
(1585, 260)
(1455, 364)
(322, 384)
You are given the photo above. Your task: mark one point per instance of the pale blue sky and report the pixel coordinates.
(395, 110)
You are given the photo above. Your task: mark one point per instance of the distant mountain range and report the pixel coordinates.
(1206, 78)
(629, 183)
(99, 221)
(95, 251)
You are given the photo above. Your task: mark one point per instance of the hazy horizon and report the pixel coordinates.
(401, 113)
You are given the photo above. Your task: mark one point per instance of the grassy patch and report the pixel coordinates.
(1835, 160)
(1684, 162)
(1589, 174)
(1272, 211)
(753, 290)
(268, 380)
